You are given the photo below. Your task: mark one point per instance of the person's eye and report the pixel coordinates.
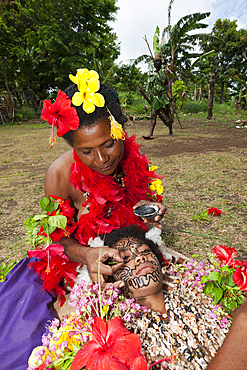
(109, 145)
(143, 249)
(86, 152)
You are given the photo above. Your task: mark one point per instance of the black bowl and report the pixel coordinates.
(147, 211)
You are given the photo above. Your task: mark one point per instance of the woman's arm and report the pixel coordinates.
(90, 257)
(233, 353)
(156, 220)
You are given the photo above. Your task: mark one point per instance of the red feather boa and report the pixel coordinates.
(105, 193)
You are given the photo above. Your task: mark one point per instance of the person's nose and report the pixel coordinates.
(101, 156)
(140, 259)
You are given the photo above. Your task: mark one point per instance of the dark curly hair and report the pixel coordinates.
(111, 102)
(133, 231)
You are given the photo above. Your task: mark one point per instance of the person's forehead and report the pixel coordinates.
(128, 243)
(92, 135)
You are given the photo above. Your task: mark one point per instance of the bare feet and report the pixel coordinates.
(148, 137)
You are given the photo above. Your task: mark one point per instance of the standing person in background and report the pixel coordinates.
(161, 89)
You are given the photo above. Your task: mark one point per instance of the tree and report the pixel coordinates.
(177, 44)
(227, 60)
(53, 38)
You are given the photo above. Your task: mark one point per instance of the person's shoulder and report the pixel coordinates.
(66, 159)
(58, 175)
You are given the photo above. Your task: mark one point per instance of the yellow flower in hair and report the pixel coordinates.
(117, 131)
(88, 83)
(156, 186)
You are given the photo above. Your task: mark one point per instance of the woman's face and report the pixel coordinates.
(96, 148)
(141, 271)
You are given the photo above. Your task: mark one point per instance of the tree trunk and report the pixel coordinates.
(222, 93)
(211, 96)
(195, 95)
(200, 94)
(9, 100)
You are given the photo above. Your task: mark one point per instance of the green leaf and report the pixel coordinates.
(226, 269)
(48, 228)
(216, 294)
(155, 103)
(58, 221)
(214, 275)
(30, 224)
(48, 204)
(208, 287)
(229, 281)
(40, 217)
(204, 279)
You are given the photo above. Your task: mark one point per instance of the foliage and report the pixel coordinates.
(41, 42)
(217, 276)
(5, 269)
(227, 60)
(201, 216)
(178, 43)
(49, 223)
(178, 90)
(194, 106)
(221, 286)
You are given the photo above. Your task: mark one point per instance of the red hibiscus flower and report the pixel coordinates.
(225, 254)
(60, 114)
(240, 277)
(112, 347)
(215, 211)
(53, 267)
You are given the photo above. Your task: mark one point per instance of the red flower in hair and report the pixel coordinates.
(60, 114)
(112, 347)
(215, 211)
(240, 277)
(225, 254)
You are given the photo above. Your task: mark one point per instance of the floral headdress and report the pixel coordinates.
(62, 115)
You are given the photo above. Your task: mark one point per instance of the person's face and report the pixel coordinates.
(96, 148)
(141, 271)
(157, 64)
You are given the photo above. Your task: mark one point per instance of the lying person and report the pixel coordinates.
(176, 324)
(179, 323)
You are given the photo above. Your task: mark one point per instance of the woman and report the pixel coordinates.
(97, 184)
(103, 177)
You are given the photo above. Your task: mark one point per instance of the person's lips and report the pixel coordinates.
(144, 267)
(106, 168)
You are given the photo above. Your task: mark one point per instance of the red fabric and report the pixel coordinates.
(105, 194)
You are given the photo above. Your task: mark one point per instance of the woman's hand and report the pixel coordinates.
(156, 220)
(94, 255)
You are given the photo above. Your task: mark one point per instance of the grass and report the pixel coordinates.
(196, 177)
